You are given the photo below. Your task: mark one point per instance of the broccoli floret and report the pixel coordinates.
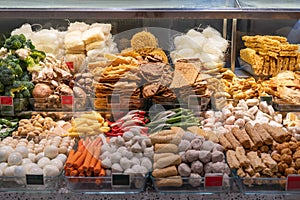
(32, 65)
(26, 93)
(37, 55)
(10, 67)
(28, 85)
(1, 87)
(16, 68)
(25, 77)
(15, 42)
(29, 44)
(7, 75)
(12, 91)
(19, 89)
(18, 95)
(12, 58)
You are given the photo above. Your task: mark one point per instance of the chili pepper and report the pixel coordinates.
(109, 122)
(114, 134)
(116, 129)
(141, 112)
(146, 120)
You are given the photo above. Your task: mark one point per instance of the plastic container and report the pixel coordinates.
(30, 183)
(44, 104)
(103, 104)
(10, 106)
(135, 184)
(203, 185)
(270, 185)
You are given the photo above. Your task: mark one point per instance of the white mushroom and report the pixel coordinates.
(51, 151)
(51, 170)
(43, 161)
(14, 158)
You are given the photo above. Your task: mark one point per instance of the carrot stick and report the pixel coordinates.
(71, 155)
(80, 142)
(80, 159)
(97, 168)
(67, 174)
(80, 169)
(74, 173)
(74, 158)
(95, 158)
(87, 160)
(88, 173)
(69, 169)
(99, 181)
(80, 145)
(102, 172)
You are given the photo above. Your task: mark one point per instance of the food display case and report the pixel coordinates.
(201, 97)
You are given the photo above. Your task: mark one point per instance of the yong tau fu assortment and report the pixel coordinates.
(93, 108)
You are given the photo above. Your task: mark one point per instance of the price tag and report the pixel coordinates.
(6, 101)
(7, 105)
(268, 99)
(34, 179)
(293, 182)
(213, 180)
(120, 180)
(67, 100)
(70, 65)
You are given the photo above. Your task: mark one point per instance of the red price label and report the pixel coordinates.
(7, 101)
(70, 65)
(67, 100)
(293, 182)
(214, 180)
